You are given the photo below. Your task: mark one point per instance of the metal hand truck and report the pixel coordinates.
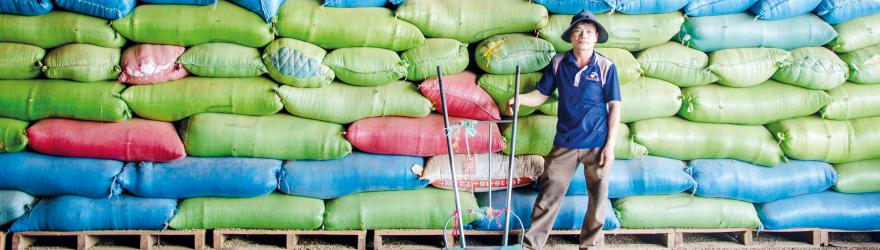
(458, 214)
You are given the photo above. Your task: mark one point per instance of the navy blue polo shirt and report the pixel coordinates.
(583, 99)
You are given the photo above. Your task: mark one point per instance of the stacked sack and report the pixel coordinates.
(734, 111)
(124, 148)
(308, 114)
(61, 100)
(794, 88)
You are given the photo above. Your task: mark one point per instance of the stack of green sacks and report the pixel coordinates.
(79, 55)
(288, 89)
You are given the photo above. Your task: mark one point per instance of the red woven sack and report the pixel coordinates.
(420, 136)
(132, 140)
(464, 98)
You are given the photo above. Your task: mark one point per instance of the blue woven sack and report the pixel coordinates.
(732, 179)
(647, 6)
(572, 7)
(14, 204)
(107, 9)
(839, 11)
(76, 213)
(355, 173)
(265, 8)
(781, 9)
(200, 177)
(44, 175)
(187, 2)
(26, 7)
(717, 7)
(829, 210)
(359, 3)
(570, 217)
(641, 176)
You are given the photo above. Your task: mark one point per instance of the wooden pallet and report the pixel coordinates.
(667, 235)
(745, 234)
(826, 238)
(289, 239)
(380, 235)
(812, 236)
(84, 240)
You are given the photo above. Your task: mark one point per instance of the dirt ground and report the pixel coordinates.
(691, 241)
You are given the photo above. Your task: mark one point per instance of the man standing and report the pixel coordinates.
(589, 111)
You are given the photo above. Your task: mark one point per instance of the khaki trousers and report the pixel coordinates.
(559, 166)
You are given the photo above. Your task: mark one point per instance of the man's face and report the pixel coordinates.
(584, 36)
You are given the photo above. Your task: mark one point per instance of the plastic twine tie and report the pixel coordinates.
(455, 216)
(491, 49)
(469, 127)
(690, 102)
(690, 171)
(281, 178)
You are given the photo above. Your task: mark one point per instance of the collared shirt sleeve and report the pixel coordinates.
(547, 84)
(611, 90)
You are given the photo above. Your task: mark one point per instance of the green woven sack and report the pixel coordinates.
(502, 53)
(57, 28)
(535, 135)
(501, 88)
(278, 136)
(427, 208)
(343, 104)
(31, 100)
(684, 211)
(271, 211)
(297, 63)
(864, 65)
(858, 177)
(83, 62)
(765, 103)
(677, 138)
(628, 68)
(472, 21)
(366, 66)
(812, 138)
(550, 107)
(627, 147)
(628, 32)
(856, 34)
(677, 64)
(648, 98)
(14, 136)
(222, 60)
(333, 28)
(746, 67)
(178, 99)
(20, 61)
(813, 68)
(423, 60)
(851, 101)
(188, 25)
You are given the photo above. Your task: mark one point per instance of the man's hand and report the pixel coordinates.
(531, 99)
(606, 158)
(509, 110)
